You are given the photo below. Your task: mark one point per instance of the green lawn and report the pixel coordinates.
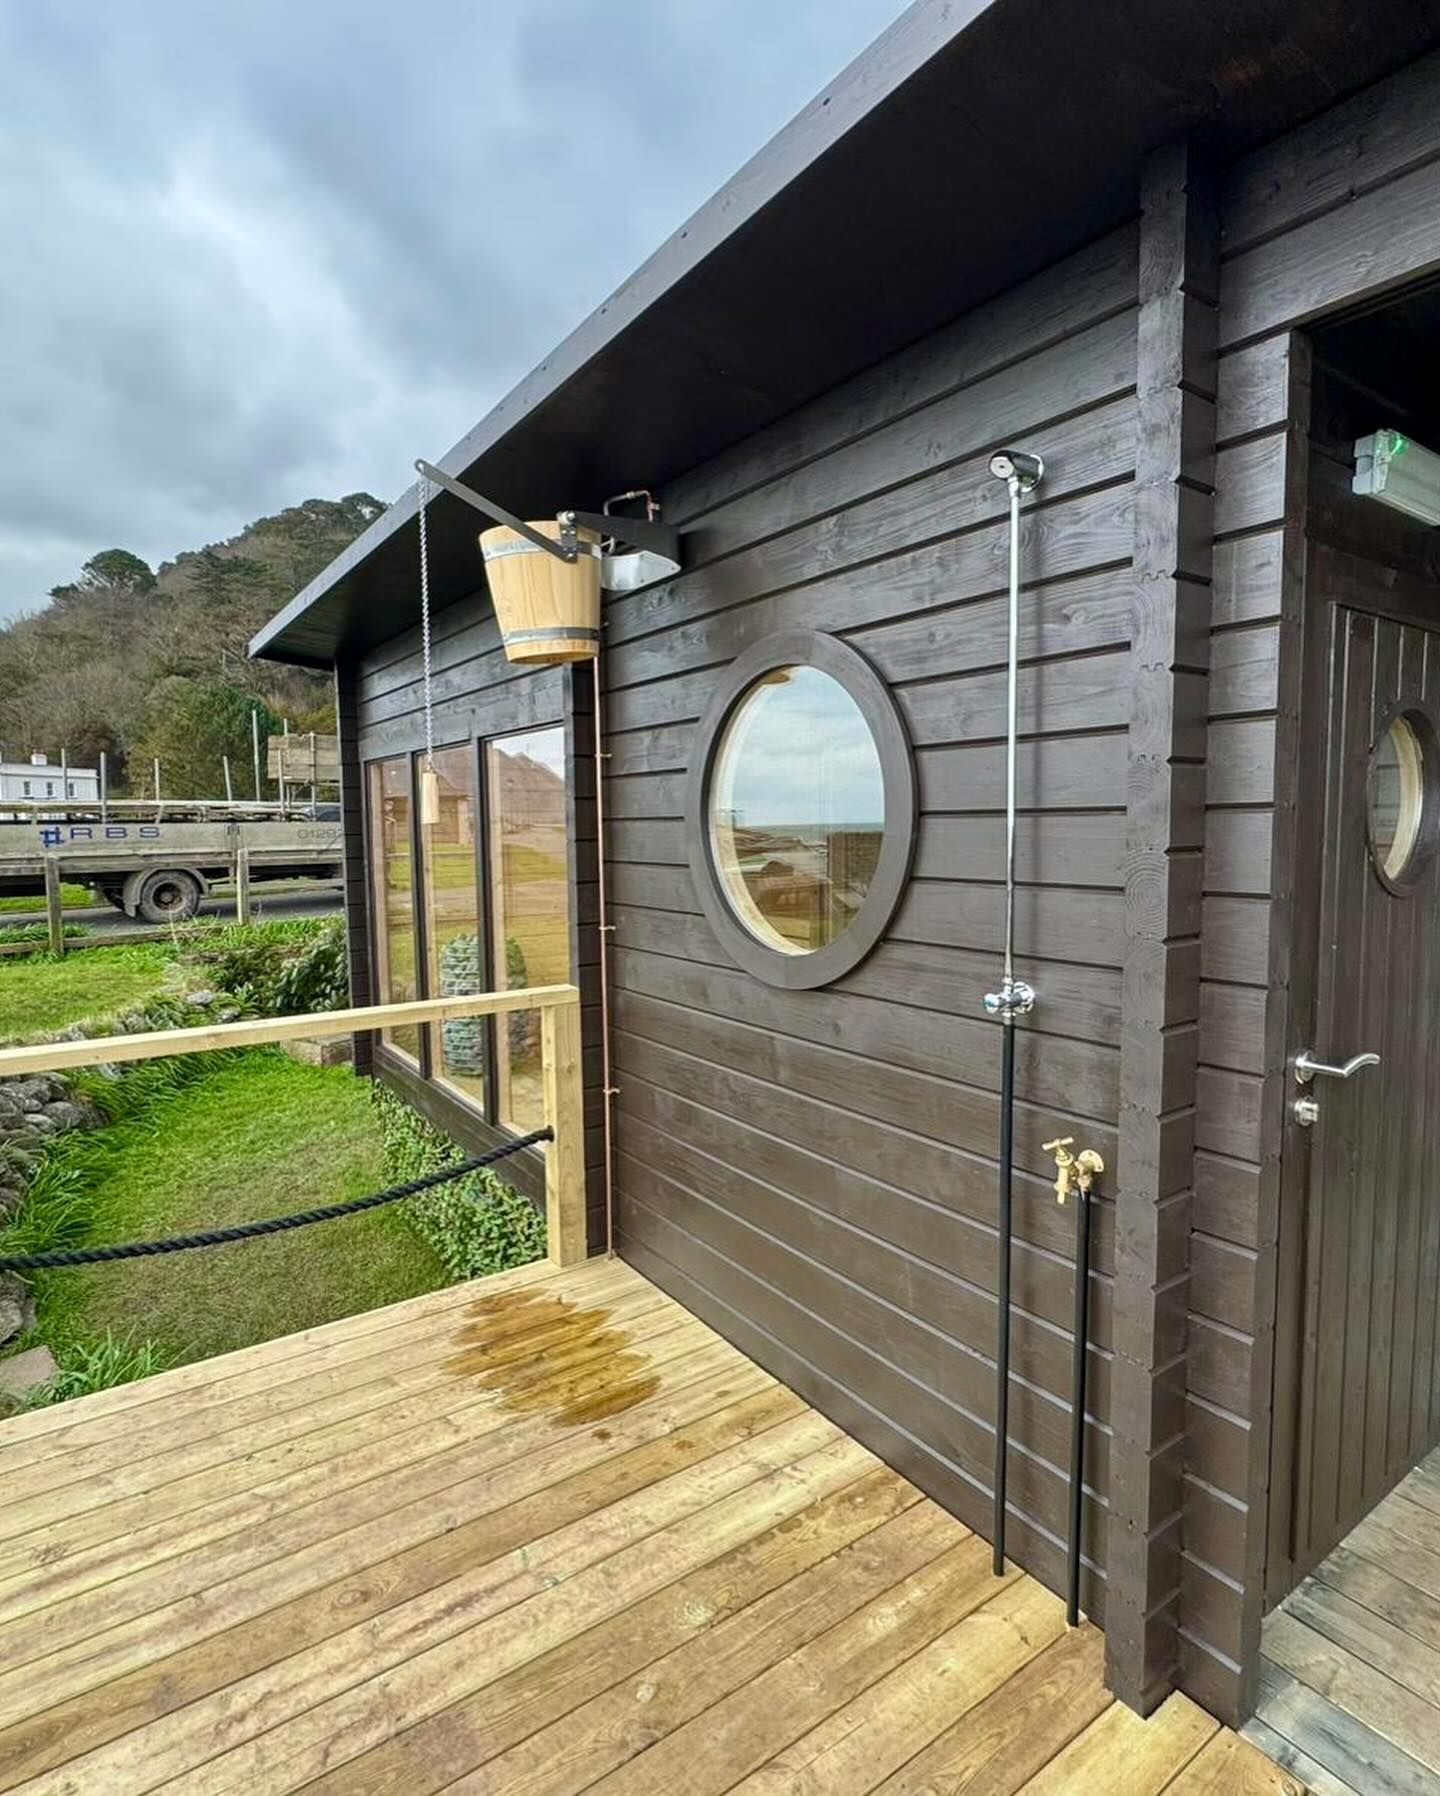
(259, 1136)
(71, 897)
(39, 994)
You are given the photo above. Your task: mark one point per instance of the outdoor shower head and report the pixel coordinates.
(1014, 465)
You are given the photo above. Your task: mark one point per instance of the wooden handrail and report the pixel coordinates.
(256, 1032)
(559, 1006)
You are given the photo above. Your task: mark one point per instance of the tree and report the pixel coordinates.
(112, 571)
(191, 725)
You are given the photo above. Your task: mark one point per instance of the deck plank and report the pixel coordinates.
(995, 1747)
(1385, 1707)
(248, 1368)
(246, 1528)
(543, 1533)
(1226, 1765)
(708, 1753)
(1119, 1751)
(1343, 1745)
(354, 1689)
(615, 1726)
(853, 1749)
(513, 1709)
(269, 1615)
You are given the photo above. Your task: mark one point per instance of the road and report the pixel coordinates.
(268, 903)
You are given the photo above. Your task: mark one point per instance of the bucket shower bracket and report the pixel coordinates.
(642, 535)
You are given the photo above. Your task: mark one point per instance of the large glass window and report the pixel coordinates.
(454, 937)
(529, 901)
(797, 809)
(392, 870)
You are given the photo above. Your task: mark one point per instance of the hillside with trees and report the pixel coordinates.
(139, 662)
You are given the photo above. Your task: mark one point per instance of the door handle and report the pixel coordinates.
(1307, 1066)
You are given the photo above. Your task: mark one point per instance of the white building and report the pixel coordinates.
(39, 778)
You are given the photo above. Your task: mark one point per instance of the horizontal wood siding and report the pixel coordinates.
(815, 1172)
(477, 692)
(1334, 213)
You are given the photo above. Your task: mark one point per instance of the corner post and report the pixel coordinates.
(1177, 331)
(564, 1112)
(54, 914)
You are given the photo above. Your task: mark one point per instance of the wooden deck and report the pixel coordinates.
(542, 1533)
(1350, 1687)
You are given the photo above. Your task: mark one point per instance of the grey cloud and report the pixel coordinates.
(255, 251)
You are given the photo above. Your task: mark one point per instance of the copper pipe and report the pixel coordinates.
(607, 1087)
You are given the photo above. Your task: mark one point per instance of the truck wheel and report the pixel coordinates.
(168, 896)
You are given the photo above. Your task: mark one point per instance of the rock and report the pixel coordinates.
(229, 1015)
(201, 998)
(66, 1115)
(25, 1372)
(38, 1123)
(17, 1157)
(76, 1032)
(17, 1306)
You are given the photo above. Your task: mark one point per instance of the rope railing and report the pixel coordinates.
(271, 1225)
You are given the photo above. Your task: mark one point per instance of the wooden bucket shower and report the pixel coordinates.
(548, 609)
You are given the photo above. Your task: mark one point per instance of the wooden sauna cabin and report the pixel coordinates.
(1189, 257)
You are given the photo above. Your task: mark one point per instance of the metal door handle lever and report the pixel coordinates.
(1307, 1066)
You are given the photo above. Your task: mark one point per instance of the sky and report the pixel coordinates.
(256, 252)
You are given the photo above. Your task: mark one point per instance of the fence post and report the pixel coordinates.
(564, 1112)
(54, 915)
(242, 885)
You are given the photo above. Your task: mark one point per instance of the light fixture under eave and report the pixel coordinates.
(1396, 470)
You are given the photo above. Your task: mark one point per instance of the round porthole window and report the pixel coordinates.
(802, 811)
(1399, 798)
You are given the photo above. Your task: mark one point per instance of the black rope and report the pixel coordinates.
(274, 1225)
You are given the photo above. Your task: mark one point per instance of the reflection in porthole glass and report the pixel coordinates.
(1395, 798)
(797, 807)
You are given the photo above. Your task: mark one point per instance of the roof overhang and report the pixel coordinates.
(973, 142)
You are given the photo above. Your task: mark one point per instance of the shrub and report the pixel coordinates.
(475, 1225)
(279, 968)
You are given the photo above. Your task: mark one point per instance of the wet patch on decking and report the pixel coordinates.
(540, 1354)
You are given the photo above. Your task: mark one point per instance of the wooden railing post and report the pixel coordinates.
(242, 885)
(54, 913)
(565, 1155)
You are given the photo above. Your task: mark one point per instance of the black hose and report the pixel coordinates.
(1077, 1404)
(1002, 1345)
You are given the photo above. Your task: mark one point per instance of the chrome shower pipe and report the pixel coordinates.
(1021, 473)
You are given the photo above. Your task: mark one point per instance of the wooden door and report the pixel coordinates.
(1368, 1396)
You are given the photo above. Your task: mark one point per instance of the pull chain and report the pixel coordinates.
(429, 780)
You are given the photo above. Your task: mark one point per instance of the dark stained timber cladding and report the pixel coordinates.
(815, 1171)
(352, 824)
(1176, 380)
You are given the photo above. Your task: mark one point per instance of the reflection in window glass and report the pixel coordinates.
(392, 875)
(454, 941)
(525, 792)
(797, 808)
(1395, 798)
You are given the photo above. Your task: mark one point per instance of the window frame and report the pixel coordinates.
(1418, 719)
(425, 1068)
(849, 669)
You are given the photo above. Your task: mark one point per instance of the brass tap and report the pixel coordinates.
(1064, 1165)
(1073, 1172)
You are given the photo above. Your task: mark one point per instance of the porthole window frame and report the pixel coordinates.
(863, 685)
(1421, 724)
